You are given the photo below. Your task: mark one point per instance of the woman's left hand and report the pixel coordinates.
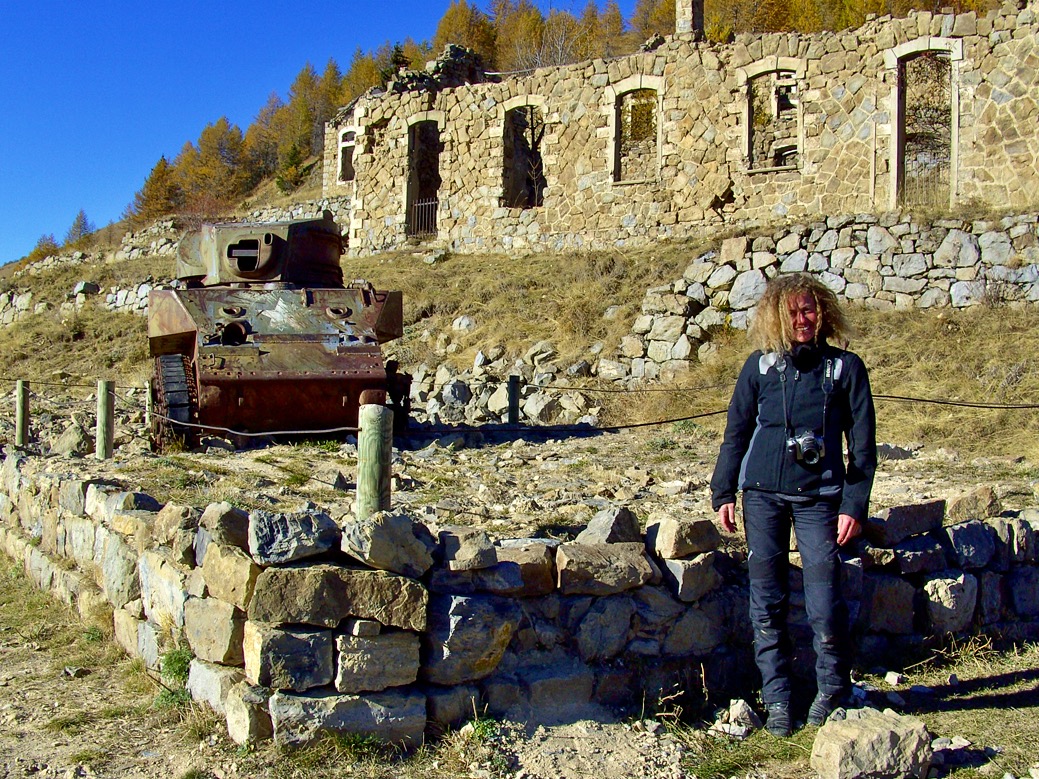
(847, 528)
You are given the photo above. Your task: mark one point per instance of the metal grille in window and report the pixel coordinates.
(422, 220)
(927, 155)
(773, 120)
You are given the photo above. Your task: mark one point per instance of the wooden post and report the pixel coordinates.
(21, 425)
(374, 454)
(514, 387)
(105, 436)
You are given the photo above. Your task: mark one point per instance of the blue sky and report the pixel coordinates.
(94, 93)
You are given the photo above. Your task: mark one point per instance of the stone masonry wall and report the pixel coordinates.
(398, 627)
(849, 130)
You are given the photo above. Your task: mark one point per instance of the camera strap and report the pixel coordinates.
(827, 384)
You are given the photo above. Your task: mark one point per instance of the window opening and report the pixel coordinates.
(636, 143)
(523, 174)
(346, 156)
(773, 129)
(925, 108)
(424, 180)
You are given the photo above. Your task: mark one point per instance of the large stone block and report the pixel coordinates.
(210, 683)
(978, 504)
(467, 637)
(891, 525)
(1023, 584)
(325, 594)
(276, 538)
(214, 630)
(125, 625)
(175, 527)
(602, 569)
(395, 716)
(287, 659)
(919, 554)
(673, 538)
(390, 542)
(370, 664)
(971, 544)
(227, 525)
(163, 589)
(230, 575)
(465, 549)
(699, 630)
(119, 572)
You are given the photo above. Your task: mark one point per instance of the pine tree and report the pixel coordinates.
(161, 195)
(466, 25)
(80, 230)
(362, 75)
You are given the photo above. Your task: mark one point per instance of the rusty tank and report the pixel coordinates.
(261, 335)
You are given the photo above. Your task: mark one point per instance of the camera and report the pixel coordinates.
(806, 447)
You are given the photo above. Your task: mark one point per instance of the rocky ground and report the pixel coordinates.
(57, 721)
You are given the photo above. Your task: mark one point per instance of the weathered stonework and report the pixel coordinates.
(840, 128)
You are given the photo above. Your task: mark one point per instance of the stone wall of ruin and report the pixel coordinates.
(848, 131)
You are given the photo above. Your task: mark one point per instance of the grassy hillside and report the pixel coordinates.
(981, 355)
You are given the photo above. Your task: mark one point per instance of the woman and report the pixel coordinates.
(796, 399)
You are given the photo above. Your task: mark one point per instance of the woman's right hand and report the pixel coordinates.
(727, 517)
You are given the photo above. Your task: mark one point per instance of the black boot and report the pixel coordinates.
(822, 707)
(779, 723)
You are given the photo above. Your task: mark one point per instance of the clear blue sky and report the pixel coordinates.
(94, 93)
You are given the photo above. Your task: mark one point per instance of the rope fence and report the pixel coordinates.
(107, 397)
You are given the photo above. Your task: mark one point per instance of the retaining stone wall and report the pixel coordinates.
(395, 627)
(845, 119)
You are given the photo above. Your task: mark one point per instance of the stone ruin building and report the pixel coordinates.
(933, 110)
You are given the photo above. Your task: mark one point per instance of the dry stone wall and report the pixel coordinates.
(399, 627)
(840, 91)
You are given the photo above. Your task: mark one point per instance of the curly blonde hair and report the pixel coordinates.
(771, 329)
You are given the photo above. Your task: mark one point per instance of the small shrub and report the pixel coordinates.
(175, 665)
(168, 698)
(93, 635)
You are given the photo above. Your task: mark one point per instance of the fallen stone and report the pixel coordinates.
(276, 538)
(878, 745)
(324, 594)
(287, 659)
(395, 717)
(372, 664)
(390, 542)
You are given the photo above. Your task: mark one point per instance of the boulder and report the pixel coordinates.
(465, 549)
(163, 590)
(119, 579)
(214, 630)
(699, 630)
(175, 527)
(979, 504)
(878, 745)
(1023, 584)
(888, 603)
(951, 598)
(971, 544)
(227, 525)
(230, 574)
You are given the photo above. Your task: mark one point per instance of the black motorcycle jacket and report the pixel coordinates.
(780, 397)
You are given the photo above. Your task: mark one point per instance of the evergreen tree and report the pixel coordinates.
(362, 75)
(81, 229)
(161, 195)
(261, 142)
(300, 114)
(398, 60)
(466, 25)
